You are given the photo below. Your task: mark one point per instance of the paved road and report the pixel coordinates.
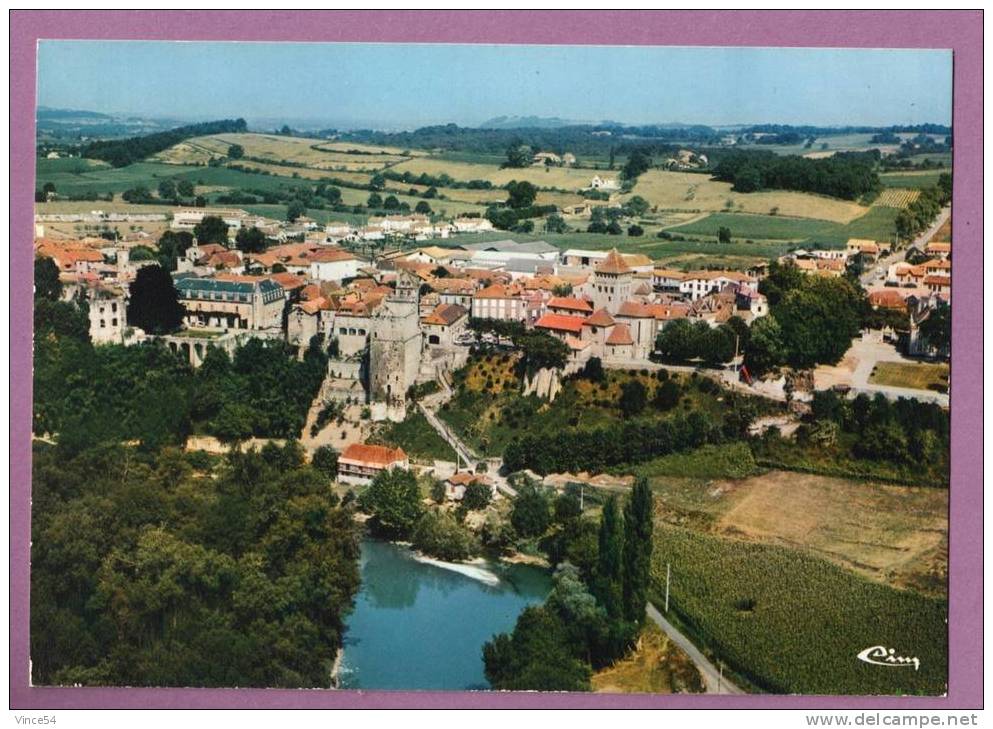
(873, 275)
(712, 679)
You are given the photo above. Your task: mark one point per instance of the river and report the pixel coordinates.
(418, 625)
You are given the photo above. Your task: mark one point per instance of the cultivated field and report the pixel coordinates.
(564, 178)
(315, 153)
(944, 233)
(896, 197)
(877, 223)
(794, 623)
(697, 192)
(896, 535)
(918, 375)
(913, 179)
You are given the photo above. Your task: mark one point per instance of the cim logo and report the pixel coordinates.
(879, 655)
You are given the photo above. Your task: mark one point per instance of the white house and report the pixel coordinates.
(333, 264)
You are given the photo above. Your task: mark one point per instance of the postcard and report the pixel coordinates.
(493, 367)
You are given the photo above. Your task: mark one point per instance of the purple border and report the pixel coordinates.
(959, 30)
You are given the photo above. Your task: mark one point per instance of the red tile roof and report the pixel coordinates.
(620, 335)
(613, 263)
(373, 455)
(445, 315)
(600, 318)
(560, 323)
(570, 303)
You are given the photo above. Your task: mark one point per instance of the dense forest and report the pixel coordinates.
(847, 175)
(122, 152)
(155, 567)
(169, 569)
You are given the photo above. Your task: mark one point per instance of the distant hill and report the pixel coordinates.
(527, 122)
(59, 126)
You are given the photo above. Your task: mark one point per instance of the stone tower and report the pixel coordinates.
(613, 279)
(395, 349)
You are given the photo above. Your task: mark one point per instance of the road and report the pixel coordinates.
(712, 679)
(877, 274)
(470, 460)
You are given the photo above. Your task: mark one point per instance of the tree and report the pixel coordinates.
(537, 656)
(422, 208)
(521, 194)
(211, 229)
(635, 231)
(167, 189)
(607, 585)
(377, 182)
(375, 200)
(666, 395)
(325, 460)
(391, 202)
(173, 245)
(936, 329)
(236, 151)
(295, 209)
(332, 194)
(765, 349)
(723, 234)
(519, 155)
(633, 398)
(638, 515)
(477, 496)
(531, 515)
(154, 304)
(593, 370)
(439, 535)
(46, 279)
(394, 502)
(638, 162)
(185, 188)
(250, 240)
(636, 206)
(567, 507)
(438, 493)
(555, 223)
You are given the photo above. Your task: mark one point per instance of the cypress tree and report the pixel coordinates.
(610, 559)
(637, 551)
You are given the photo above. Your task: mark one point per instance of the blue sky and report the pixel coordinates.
(395, 85)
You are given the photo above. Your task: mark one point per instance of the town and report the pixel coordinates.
(667, 397)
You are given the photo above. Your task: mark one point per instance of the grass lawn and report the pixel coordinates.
(416, 436)
(794, 623)
(655, 665)
(917, 375)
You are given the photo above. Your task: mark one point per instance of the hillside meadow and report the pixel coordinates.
(699, 193)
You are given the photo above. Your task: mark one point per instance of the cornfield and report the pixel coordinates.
(795, 624)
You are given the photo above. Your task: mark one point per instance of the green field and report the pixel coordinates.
(76, 180)
(793, 623)
(911, 180)
(876, 224)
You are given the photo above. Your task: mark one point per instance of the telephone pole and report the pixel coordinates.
(667, 574)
